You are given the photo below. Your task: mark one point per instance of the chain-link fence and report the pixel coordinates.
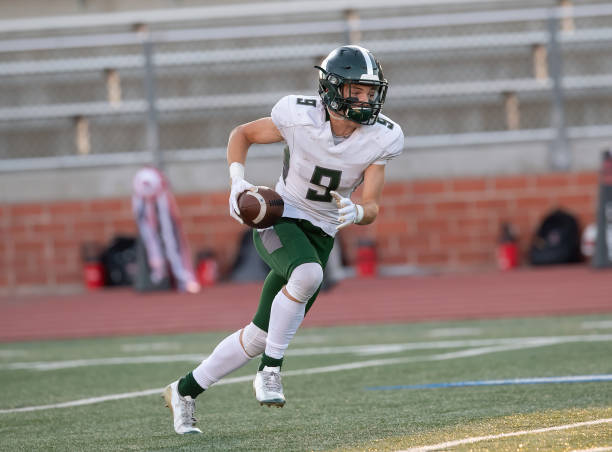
(461, 72)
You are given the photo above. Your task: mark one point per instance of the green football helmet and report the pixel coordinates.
(344, 67)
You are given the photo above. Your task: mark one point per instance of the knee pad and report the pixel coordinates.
(304, 281)
(253, 340)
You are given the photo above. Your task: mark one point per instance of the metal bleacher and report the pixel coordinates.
(73, 92)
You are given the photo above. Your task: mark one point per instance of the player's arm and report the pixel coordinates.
(261, 131)
(373, 181)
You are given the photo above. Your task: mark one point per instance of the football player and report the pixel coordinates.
(335, 142)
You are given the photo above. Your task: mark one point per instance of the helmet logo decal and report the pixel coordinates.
(366, 57)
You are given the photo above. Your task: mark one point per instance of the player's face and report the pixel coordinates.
(364, 93)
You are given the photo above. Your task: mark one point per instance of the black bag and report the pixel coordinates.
(119, 261)
(557, 240)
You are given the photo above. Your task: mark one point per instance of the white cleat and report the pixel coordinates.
(182, 408)
(268, 387)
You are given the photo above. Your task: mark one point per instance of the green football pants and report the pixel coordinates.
(289, 243)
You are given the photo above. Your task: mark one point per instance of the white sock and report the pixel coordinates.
(225, 358)
(286, 316)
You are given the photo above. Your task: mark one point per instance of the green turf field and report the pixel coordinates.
(337, 383)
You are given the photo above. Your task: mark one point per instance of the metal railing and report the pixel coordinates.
(168, 59)
(302, 28)
(210, 13)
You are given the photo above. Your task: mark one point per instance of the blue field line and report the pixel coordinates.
(514, 381)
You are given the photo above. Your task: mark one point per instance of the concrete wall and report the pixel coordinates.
(264, 165)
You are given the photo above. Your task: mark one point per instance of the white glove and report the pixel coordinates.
(238, 186)
(348, 211)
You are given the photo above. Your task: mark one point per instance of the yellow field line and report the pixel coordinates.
(476, 439)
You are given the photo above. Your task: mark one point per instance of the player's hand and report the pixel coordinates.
(238, 186)
(348, 211)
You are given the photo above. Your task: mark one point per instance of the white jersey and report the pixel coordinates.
(314, 165)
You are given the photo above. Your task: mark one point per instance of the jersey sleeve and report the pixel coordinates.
(393, 145)
(281, 114)
(292, 111)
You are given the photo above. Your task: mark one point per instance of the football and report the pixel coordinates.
(260, 209)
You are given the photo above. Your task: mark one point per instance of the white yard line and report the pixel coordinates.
(360, 350)
(595, 324)
(54, 365)
(291, 373)
(477, 439)
(89, 401)
(7, 353)
(450, 332)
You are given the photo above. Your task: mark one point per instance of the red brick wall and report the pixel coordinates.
(451, 224)
(455, 223)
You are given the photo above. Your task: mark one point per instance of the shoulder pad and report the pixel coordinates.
(295, 110)
(389, 135)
